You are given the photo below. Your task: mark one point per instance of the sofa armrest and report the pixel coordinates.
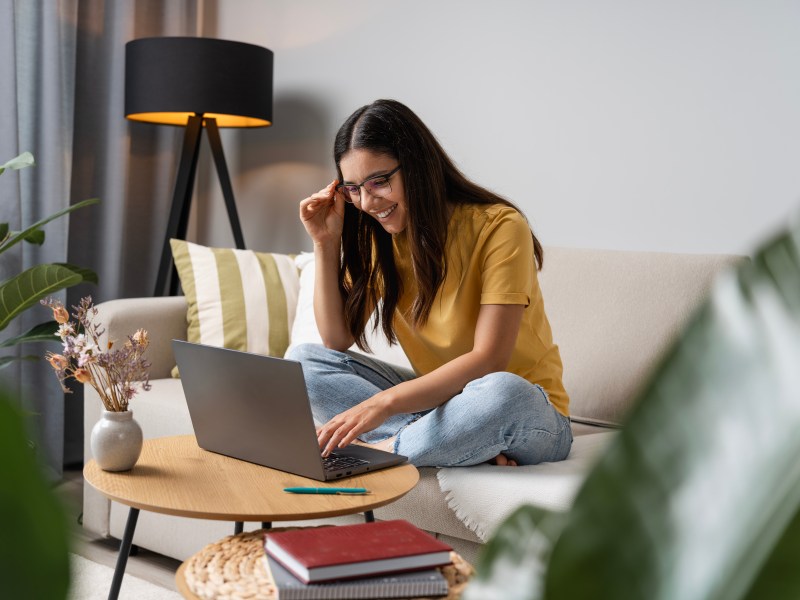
(164, 318)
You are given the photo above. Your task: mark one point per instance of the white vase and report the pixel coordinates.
(116, 441)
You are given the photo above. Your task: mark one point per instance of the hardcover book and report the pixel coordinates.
(349, 551)
(415, 584)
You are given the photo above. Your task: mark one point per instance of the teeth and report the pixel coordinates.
(386, 213)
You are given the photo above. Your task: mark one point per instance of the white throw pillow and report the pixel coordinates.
(304, 329)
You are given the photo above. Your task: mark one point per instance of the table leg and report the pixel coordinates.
(266, 525)
(124, 551)
(238, 527)
(369, 517)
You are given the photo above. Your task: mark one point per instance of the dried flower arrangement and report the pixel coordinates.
(116, 374)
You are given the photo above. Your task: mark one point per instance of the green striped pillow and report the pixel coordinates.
(237, 299)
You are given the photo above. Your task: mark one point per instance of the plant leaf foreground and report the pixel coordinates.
(697, 497)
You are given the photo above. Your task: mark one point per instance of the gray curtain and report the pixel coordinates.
(62, 98)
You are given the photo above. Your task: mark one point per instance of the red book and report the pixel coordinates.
(348, 551)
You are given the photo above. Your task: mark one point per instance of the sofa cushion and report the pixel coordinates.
(614, 313)
(237, 299)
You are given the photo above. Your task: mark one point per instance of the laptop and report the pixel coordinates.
(256, 408)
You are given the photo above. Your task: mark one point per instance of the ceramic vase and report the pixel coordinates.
(116, 441)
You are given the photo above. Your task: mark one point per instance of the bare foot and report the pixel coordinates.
(501, 460)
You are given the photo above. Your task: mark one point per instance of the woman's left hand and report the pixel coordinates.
(345, 427)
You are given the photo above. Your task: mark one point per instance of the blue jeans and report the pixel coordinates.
(498, 413)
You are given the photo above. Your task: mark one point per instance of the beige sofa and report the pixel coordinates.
(613, 314)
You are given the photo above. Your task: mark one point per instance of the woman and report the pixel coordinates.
(451, 268)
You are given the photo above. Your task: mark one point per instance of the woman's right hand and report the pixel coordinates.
(322, 215)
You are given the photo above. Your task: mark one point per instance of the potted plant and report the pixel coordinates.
(35, 560)
(116, 372)
(19, 293)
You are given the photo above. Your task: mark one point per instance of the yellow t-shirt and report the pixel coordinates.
(490, 260)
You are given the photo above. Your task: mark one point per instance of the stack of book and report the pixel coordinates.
(387, 559)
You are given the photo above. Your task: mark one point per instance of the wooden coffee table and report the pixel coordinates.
(174, 476)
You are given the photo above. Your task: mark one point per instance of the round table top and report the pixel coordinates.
(175, 476)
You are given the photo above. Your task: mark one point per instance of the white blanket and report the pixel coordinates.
(484, 495)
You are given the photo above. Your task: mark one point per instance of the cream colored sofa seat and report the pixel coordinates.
(613, 314)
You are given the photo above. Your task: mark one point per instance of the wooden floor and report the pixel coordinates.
(146, 565)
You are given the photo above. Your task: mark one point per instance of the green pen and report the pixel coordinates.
(325, 490)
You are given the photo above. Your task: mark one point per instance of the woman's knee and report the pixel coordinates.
(302, 352)
(314, 353)
(504, 388)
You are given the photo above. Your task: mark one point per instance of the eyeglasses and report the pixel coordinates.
(377, 186)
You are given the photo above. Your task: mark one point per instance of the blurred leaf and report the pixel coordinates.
(698, 495)
(27, 288)
(778, 578)
(693, 496)
(511, 565)
(34, 553)
(7, 360)
(20, 162)
(43, 332)
(35, 237)
(21, 235)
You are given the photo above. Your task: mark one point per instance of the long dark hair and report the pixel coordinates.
(431, 179)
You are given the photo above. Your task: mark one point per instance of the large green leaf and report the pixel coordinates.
(18, 236)
(27, 288)
(699, 493)
(34, 553)
(87, 275)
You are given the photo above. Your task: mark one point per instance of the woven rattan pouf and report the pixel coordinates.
(233, 569)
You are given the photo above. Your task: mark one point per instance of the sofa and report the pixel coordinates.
(613, 315)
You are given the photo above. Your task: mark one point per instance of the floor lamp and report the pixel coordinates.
(197, 83)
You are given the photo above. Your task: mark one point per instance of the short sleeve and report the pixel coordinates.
(507, 259)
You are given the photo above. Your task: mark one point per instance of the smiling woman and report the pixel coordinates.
(450, 268)
(375, 195)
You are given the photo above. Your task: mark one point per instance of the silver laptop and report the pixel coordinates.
(255, 408)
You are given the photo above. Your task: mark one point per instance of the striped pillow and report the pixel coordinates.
(237, 299)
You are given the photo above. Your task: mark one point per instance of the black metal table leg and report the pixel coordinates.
(238, 527)
(369, 517)
(266, 525)
(124, 551)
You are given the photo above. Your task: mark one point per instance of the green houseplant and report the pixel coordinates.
(34, 554)
(34, 559)
(698, 496)
(22, 291)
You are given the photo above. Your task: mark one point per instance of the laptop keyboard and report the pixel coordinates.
(336, 462)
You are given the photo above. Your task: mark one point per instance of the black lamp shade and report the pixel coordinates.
(169, 79)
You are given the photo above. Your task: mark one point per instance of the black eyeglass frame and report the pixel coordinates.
(348, 197)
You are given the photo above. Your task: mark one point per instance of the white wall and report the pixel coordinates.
(623, 124)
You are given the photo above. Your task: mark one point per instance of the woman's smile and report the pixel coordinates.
(386, 205)
(385, 213)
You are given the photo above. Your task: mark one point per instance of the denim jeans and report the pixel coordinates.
(498, 413)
